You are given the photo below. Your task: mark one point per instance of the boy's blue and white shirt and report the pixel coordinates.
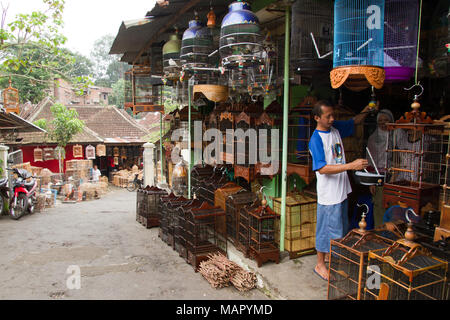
(326, 148)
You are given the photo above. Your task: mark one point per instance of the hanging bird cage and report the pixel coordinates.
(11, 99)
(101, 150)
(179, 179)
(300, 128)
(408, 271)
(77, 151)
(263, 245)
(414, 158)
(226, 122)
(400, 39)
(49, 154)
(90, 152)
(38, 154)
(312, 36)
(358, 57)
(245, 157)
(270, 164)
(143, 93)
(241, 39)
(233, 205)
(202, 236)
(300, 223)
(171, 58)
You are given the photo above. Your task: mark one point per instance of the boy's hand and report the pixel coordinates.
(359, 164)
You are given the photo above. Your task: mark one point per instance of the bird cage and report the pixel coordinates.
(226, 122)
(180, 226)
(49, 154)
(358, 57)
(244, 157)
(202, 237)
(233, 205)
(408, 271)
(140, 204)
(11, 99)
(171, 58)
(143, 93)
(172, 217)
(151, 216)
(116, 152)
(241, 39)
(300, 128)
(312, 36)
(210, 185)
(266, 166)
(262, 234)
(101, 150)
(400, 39)
(163, 217)
(300, 223)
(198, 174)
(220, 196)
(445, 201)
(38, 154)
(179, 179)
(90, 152)
(349, 261)
(414, 150)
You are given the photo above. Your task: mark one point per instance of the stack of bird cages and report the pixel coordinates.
(349, 260)
(171, 213)
(233, 205)
(151, 216)
(180, 226)
(300, 129)
(263, 246)
(220, 196)
(210, 185)
(202, 237)
(140, 204)
(163, 218)
(414, 160)
(245, 157)
(300, 234)
(199, 174)
(408, 271)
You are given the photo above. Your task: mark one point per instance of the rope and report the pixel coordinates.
(418, 41)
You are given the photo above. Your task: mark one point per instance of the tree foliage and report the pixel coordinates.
(65, 124)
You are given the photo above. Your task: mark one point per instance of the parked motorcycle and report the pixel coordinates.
(23, 197)
(4, 193)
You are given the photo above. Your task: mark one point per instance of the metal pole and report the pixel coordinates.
(285, 128)
(189, 140)
(160, 145)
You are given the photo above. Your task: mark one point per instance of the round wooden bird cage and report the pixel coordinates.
(358, 57)
(11, 99)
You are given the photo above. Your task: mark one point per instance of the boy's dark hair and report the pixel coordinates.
(317, 109)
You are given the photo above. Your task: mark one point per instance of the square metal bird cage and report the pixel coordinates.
(408, 272)
(300, 234)
(348, 263)
(202, 236)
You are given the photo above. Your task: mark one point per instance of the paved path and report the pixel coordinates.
(118, 258)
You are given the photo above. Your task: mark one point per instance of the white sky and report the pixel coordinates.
(87, 20)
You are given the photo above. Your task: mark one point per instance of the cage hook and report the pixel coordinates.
(407, 214)
(416, 96)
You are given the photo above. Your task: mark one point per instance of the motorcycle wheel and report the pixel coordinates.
(20, 209)
(31, 206)
(132, 186)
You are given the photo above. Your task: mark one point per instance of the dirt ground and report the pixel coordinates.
(117, 257)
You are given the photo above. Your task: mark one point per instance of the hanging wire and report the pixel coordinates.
(418, 42)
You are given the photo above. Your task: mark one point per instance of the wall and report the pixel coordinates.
(52, 165)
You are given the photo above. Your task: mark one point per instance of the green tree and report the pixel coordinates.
(117, 97)
(62, 128)
(31, 51)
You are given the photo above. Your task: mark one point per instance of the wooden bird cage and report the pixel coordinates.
(301, 125)
(220, 196)
(408, 271)
(414, 158)
(49, 154)
(244, 159)
(263, 245)
(445, 199)
(266, 166)
(11, 99)
(101, 150)
(300, 223)
(150, 216)
(180, 226)
(171, 214)
(202, 236)
(90, 152)
(77, 151)
(167, 206)
(143, 93)
(349, 261)
(198, 174)
(206, 191)
(243, 232)
(140, 204)
(38, 154)
(226, 122)
(233, 205)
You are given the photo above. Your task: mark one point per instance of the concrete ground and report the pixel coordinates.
(120, 259)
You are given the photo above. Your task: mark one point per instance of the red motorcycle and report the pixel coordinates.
(23, 197)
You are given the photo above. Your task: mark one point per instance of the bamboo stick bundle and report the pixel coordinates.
(244, 280)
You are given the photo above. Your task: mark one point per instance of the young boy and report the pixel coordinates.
(333, 185)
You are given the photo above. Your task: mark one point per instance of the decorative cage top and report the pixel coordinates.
(196, 45)
(171, 58)
(358, 33)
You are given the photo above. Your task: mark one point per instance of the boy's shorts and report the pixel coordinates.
(332, 223)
